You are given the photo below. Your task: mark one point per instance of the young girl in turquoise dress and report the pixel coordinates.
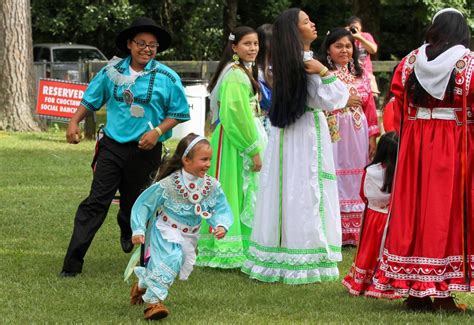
(174, 206)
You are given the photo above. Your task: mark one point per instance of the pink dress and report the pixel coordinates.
(351, 152)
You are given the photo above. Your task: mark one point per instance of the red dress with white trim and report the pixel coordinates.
(359, 279)
(429, 245)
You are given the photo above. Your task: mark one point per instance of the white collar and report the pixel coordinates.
(248, 65)
(120, 79)
(133, 72)
(434, 75)
(188, 176)
(307, 55)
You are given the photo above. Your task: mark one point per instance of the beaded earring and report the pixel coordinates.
(352, 66)
(236, 58)
(331, 64)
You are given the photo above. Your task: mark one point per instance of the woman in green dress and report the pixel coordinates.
(237, 142)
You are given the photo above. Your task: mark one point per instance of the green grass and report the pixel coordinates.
(42, 181)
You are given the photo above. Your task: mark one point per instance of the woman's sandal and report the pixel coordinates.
(156, 311)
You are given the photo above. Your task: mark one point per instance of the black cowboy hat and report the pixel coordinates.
(143, 25)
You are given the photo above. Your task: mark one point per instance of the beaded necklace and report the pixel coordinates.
(127, 81)
(193, 191)
(344, 74)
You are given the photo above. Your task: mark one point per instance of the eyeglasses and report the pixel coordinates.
(143, 45)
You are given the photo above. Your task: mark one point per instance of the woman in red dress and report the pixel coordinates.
(429, 243)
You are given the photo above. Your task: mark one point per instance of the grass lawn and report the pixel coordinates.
(42, 181)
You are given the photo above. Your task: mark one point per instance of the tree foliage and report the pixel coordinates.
(94, 22)
(432, 6)
(199, 28)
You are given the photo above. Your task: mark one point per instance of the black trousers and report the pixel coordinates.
(121, 166)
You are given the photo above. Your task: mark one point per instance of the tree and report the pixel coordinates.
(230, 16)
(369, 12)
(16, 69)
(432, 6)
(195, 26)
(92, 22)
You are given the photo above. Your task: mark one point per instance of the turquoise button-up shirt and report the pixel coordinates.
(159, 92)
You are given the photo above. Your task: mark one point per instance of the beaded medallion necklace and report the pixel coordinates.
(193, 192)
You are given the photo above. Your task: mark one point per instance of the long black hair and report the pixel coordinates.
(175, 162)
(448, 29)
(239, 33)
(289, 76)
(386, 153)
(335, 35)
(264, 56)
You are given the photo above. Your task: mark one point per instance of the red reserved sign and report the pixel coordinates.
(59, 98)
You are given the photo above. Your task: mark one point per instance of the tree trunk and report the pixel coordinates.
(17, 81)
(369, 12)
(230, 17)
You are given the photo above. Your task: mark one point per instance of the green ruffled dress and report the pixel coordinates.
(239, 136)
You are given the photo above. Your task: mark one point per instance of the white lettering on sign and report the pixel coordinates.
(63, 92)
(67, 109)
(66, 101)
(47, 107)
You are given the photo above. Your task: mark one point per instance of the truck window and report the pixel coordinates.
(41, 54)
(74, 55)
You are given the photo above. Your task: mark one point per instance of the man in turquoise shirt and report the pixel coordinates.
(145, 100)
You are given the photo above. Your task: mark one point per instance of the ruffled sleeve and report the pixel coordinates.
(370, 110)
(398, 90)
(145, 208)
(221, 212)
(235, 112)
(327, 93)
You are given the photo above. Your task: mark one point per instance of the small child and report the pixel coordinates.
(375, 191)
(182, 195)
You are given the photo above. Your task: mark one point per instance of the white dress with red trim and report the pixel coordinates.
(429, 244)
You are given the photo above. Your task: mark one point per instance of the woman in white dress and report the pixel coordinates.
(296, 234)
